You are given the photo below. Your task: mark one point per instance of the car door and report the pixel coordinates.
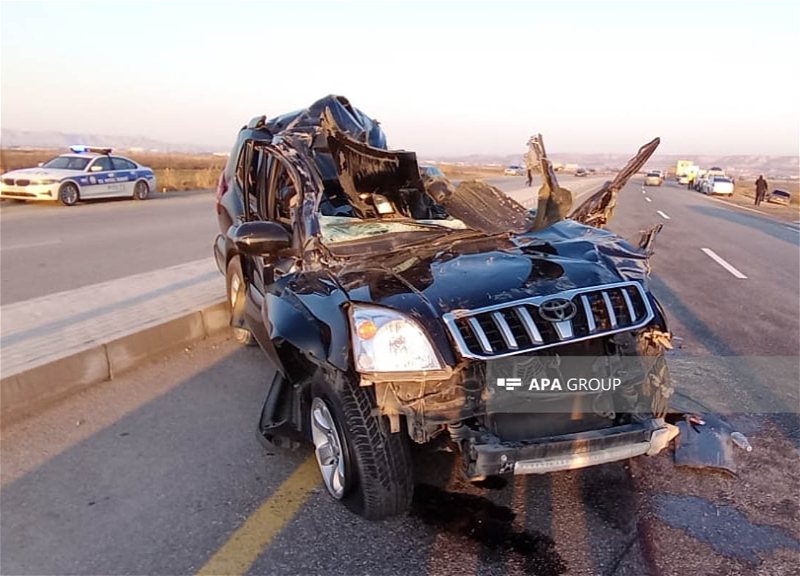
(100, 170)
(276, 197)
(124, 176)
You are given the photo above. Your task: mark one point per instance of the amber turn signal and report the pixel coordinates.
(366, 329)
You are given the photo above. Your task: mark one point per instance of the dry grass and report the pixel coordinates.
(748, 188)
(462, 172)
(173, 171)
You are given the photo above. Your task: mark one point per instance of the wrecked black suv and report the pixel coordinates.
(399, 308)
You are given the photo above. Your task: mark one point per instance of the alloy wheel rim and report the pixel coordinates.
(328, 448)
(140, 190)
(70, 194)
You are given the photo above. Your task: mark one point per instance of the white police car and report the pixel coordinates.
(88, 172)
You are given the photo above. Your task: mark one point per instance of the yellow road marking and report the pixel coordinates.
(244, 546)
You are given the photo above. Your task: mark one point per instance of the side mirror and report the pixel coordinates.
(260, 238)
(96, 168)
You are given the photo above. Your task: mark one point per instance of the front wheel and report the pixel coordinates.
(68, 194)
(363, 464)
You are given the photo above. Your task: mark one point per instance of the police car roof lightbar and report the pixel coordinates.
(81, 149)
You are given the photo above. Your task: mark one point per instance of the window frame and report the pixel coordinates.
(97, 160)
(272, 191)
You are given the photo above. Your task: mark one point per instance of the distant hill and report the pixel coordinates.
(736, 164)
(45, 139)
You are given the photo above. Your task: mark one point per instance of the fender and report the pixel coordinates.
(320, 331)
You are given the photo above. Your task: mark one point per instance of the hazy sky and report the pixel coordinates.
(443, 78)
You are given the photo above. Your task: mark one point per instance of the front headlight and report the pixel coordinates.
(388, 341)
(47, 181)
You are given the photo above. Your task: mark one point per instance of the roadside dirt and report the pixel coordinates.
(704, 522)
(744, 195)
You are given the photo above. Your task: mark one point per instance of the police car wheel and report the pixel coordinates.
(140, 190)
(68, 194)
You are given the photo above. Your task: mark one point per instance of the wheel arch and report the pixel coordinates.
(71, 181)
(140, 179)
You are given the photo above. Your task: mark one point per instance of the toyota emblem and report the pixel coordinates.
(557, 310)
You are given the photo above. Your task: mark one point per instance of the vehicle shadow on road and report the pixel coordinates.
(774, 228)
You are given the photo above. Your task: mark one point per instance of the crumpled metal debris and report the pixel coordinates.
(598, 209)
(705, 445)
(554, 202)
(480, 205)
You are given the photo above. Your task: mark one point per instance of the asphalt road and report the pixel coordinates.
(47, 248)
(159, 472)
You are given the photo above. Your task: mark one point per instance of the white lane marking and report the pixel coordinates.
(664, 216)
(721, 201)
(718, 259)
(648, 199)
(29, 245)
(643, 192)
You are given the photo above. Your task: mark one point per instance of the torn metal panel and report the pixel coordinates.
(373, 176)
(599, 208)
(705, 443)
(554, 202)
(480, 206)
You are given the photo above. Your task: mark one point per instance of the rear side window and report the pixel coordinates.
(241, 164)
(122, 164)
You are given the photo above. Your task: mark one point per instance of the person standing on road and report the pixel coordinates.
(689, 180)
(761, 189)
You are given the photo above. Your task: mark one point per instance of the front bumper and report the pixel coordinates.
(41, 192)
(570, 451)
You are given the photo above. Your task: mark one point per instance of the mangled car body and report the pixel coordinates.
(396, 307)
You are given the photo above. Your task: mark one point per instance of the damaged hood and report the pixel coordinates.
(493, 270)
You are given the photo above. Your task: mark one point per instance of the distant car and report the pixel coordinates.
(779, 197)
(580, 172)
(683, 179)
(652, 179)
(87, 173)
(718, 185)
(699, 183)
(430, 171)
(514, 170)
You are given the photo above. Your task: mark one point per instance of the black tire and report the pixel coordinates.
(68, 194)
(236, 302)
(141, 190)
(378, 469)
